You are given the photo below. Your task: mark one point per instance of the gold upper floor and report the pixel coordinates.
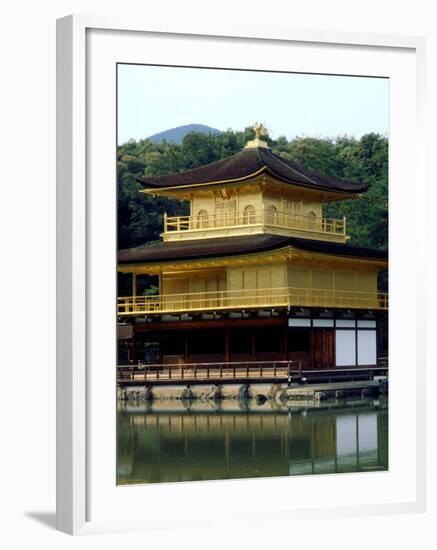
(259, 281)
(261, 205)
(254, 222)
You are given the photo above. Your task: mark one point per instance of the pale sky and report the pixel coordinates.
(152, 99)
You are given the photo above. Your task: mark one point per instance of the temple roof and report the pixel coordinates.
(234, 246)
(247, 164)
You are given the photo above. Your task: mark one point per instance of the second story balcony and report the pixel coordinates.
(253, 222)
(249, 299)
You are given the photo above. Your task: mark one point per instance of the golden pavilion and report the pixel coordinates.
(255, 274)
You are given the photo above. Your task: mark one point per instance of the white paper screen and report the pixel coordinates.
(345, 348)
(367, 347)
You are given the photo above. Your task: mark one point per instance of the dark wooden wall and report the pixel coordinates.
(323, 348)
(237, 340)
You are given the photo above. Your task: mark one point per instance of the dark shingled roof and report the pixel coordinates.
(244, 164)
(234, 246)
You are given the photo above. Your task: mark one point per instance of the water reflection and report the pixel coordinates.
(170, 441)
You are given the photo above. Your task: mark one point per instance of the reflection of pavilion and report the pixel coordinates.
(360, 445)
(191, 446)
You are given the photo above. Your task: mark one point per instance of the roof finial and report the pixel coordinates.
(260, 130)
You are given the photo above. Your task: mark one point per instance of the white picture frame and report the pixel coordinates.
(74, 241)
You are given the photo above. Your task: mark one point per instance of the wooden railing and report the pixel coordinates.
(180, 224)
(208, 371)
(259, 298)
(291, 371)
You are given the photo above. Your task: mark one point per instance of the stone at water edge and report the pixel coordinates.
(215, 394)
(260, 399)
(187, 394)
(244, 392)
(146, 394)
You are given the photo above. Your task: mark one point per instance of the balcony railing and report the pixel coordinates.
(243, 299)
(312, 224)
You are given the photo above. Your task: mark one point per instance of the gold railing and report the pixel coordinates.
(178, 224)
(259, 298)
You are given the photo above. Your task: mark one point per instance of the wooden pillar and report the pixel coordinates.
(227, 351)
(186, 350)
(160, 348)
(312, 349)
(284, 344)
(134, 285)
(129, 352)
(132, 352)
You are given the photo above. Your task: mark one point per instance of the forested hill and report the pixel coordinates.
(176, 135)
(365, 160)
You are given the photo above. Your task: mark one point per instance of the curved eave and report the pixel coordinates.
(284, 253)
(155, 190)
(177, 189)
(381, 263)
(285, 249)
(267, 249)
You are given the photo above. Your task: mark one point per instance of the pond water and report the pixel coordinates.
(172, 441)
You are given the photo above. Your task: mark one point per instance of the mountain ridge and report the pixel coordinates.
(177, 134)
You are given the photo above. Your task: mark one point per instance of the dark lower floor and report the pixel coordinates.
(334, 339)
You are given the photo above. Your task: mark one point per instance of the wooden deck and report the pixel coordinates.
(233, 373)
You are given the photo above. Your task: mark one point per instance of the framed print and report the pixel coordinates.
(239, 284)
